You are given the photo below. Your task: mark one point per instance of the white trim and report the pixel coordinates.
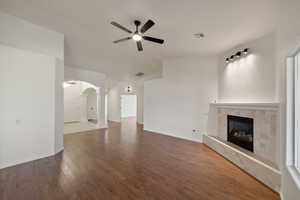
(113, 120)
(291, 115)
(295, 175)
(281, 196)
(175, 136)
(12, 163)
(251, 106)
(59, 150)
(290, 112)
(296, 112)
(103, 126)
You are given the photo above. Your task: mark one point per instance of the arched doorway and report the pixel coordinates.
(81, 106)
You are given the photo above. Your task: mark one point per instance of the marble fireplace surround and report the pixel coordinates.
(264, 161)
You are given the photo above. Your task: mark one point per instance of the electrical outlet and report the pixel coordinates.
(196, 131)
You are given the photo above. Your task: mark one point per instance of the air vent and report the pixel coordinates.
(199, 35)
(140, 74)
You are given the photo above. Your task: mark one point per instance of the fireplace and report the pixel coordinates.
(240, 131)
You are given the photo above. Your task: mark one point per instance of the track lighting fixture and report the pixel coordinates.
(237, 55)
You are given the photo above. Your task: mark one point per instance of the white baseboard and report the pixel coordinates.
(117, 121)
(25, 160)
(172, 135)
(37, 157)
(59, 150)
(103, 127)
(281, 196)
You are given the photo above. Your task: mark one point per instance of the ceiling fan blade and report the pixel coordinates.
(121, 27)
(122, 40)
(147, 25)
(139, 45)
(152, 39)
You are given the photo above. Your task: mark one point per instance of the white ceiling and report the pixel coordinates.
(89, 35)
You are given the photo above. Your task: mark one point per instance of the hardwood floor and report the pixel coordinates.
(125, 163)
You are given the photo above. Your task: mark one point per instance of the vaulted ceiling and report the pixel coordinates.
(89, 34)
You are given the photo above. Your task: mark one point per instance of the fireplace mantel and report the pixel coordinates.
(250, 106)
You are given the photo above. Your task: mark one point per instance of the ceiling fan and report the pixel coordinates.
(138, 35)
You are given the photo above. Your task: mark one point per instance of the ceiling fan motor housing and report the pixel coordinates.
(137, 23)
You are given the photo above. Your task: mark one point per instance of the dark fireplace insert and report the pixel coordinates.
(240, 131)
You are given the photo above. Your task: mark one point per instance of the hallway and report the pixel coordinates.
(123, 162)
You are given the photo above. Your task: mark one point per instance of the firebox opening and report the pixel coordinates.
(240, 131)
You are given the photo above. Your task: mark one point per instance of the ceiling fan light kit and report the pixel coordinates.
(138, 35)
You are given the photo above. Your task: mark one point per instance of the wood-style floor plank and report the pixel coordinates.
(126, 163)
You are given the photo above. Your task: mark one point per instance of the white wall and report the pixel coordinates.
(31, 91)
(59, 106)
(251, 78)
(27, 106)
(140, 103)
(22, 34)
(72, 103)
(128, 105)
(179, 102)
(114, 104)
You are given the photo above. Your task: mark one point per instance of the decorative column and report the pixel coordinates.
(83, 107)
(101, 108)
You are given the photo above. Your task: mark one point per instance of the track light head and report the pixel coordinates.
(246, 51)
(238, 54)
(232, 58)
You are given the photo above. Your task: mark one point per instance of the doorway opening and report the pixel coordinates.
(81, 107)
(128, 106)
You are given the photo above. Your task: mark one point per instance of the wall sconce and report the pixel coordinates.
(237, 55)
